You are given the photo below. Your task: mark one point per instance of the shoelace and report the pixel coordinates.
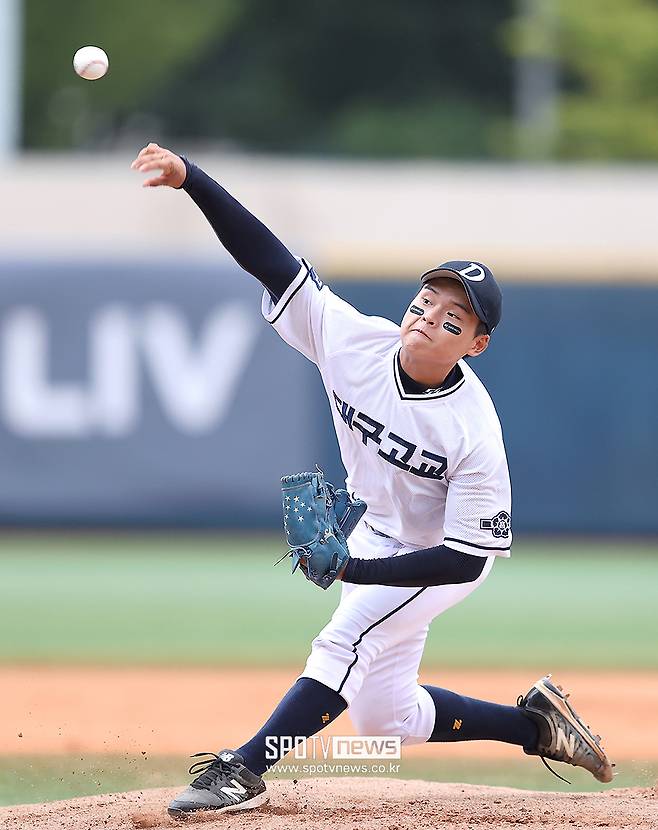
(521, 702)
(210, 768)
(550, 769)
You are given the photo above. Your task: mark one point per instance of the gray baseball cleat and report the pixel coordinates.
(224, 785)
(562, 734)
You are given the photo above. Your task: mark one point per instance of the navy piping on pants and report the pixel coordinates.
(363, 634)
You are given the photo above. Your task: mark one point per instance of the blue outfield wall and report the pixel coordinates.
(151, 395)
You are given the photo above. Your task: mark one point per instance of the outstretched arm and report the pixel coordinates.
(254, 247)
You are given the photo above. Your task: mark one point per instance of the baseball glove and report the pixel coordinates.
(317, 519)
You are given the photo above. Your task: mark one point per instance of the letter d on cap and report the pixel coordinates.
(474, 273)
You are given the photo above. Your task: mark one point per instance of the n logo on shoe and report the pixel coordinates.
(236, 791)
(568, 745)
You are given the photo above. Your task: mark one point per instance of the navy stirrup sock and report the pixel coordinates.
(460, 718)
(306, 708)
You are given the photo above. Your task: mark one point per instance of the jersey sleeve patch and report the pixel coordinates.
(500, 525)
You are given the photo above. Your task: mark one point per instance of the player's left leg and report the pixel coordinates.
(390, 702)
(542, 722)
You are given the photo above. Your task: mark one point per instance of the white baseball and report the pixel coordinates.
(90, 62)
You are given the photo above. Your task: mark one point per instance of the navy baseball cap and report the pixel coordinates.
(481, 288)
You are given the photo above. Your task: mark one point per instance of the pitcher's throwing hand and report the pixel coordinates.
(171, 166)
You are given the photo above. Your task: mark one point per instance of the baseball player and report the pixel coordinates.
(422, 445)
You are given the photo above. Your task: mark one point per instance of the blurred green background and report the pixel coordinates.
(218, 600)
(420, 78)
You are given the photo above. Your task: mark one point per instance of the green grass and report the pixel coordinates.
(186, 599)
(41, 778)
(49, 778)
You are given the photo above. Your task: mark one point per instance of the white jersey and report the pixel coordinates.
(431, 467)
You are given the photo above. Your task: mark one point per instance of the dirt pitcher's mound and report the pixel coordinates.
(348, 803)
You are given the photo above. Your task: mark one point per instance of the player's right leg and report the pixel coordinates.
(232, 780)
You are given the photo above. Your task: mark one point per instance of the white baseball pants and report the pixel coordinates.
(370, 650)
